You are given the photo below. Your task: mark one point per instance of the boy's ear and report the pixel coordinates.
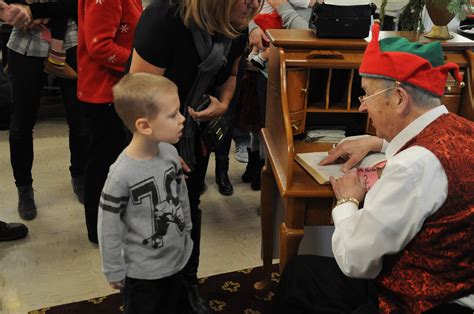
(142, 125)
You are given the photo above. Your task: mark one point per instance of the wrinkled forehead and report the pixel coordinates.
(369, 83)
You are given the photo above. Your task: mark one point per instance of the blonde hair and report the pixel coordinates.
(138, 95)
(212, 15)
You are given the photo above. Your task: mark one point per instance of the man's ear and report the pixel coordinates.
(402, 107)
(142, 125)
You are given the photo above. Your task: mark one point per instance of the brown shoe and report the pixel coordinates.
(65, 71)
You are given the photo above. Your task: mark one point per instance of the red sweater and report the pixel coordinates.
(106, 29)
(437, 266)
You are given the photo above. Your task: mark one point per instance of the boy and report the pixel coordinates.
(144, 218)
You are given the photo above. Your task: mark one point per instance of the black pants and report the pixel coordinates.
(315, 284)
(5, 100)
(27, 78)
(222, 150)
(161, 296)
(107, 140)
(194, 183)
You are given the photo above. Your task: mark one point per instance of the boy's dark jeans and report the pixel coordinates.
(154, 296)
(27, 77)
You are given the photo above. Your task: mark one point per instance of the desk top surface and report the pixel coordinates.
(305, 38)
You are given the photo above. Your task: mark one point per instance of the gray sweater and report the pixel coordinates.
(144, 222)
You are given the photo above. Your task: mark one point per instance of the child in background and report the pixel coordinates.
(144, 217)
(268, 18)
(59, 13)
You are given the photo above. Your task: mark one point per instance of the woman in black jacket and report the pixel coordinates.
(197, 44)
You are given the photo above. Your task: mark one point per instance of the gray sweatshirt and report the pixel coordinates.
(144, 221)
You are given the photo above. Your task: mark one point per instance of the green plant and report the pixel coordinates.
(410, 18)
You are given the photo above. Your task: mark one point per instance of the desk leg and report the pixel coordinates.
(292, 230)
(268, 187)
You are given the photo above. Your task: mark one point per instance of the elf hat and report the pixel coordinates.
(421, 65)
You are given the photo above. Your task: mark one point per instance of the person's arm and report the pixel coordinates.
(413, 187)
(219, 106)
(17, 15)
(257, 36)
(291, 18)
(353, 151)
(141, 65)
(152, 43)
(113, 202)
(100, 25)
(47, 9)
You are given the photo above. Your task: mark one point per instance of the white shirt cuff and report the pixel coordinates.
(343, 211)
(384, 146)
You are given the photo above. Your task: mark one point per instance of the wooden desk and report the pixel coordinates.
(303, 91)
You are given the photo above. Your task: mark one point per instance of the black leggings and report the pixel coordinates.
(58, 12)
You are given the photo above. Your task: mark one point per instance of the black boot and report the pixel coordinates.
(222, 177)
(26, 202)
(254, 158)
(197, 304)
(255, 185)
(78, 188)
(12, 231)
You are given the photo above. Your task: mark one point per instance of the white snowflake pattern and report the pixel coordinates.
(112, 59)
(94, 40)
(124, 28)
(101, 2)
(80, 93)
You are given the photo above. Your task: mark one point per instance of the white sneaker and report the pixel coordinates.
(241, 154)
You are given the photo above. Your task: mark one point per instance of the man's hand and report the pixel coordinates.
(349, 185)
(353, 151)
(117, 284)
(257, 38)
(17, 15)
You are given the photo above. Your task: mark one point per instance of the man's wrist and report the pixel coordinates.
(347, 199)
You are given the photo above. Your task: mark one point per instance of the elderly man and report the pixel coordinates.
(409, 249)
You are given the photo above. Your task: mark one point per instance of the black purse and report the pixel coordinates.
(337, 21)
(213, 131)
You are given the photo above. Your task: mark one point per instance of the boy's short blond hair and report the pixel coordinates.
(138, 95)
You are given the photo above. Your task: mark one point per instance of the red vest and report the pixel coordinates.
(437, 266)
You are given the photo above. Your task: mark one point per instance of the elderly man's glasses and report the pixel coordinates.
(364, 98)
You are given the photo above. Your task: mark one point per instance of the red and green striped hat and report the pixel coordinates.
(397, 58)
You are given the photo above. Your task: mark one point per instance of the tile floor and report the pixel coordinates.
(56, 263)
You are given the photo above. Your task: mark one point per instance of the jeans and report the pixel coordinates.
(27, 77)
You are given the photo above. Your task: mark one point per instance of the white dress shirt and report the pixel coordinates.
(412, 188)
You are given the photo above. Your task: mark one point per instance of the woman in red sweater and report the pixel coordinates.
(105, 37)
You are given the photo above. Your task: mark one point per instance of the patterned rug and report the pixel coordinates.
(227, 293)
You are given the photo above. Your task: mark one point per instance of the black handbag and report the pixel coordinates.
(213, 131)
(337, 21)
